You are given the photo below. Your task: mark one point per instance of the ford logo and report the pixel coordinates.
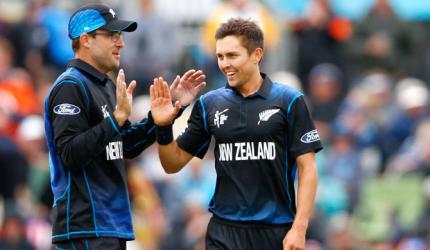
(67, 109)
(311, 136)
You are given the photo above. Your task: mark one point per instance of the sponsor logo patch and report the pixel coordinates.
(311, 136)
(66, 109)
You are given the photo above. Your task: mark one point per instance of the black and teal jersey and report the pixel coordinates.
(87, 149)
(257, 141)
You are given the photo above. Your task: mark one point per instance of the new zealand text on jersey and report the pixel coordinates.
(114, 151)
(242, 151)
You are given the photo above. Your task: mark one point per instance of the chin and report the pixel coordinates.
(114, 66)
(233, 84)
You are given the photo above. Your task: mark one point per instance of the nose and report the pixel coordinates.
(120, 43)
(223, 63)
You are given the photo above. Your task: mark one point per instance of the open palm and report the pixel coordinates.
(184, 89)
(162, 109)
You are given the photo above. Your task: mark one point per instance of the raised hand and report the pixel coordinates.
(184, 89)
(124, 98)
(162, 109)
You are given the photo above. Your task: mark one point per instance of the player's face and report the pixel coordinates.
(105, 49)
(235, 62)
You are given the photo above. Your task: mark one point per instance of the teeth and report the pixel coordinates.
(230, 73)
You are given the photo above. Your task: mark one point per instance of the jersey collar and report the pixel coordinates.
(264, 90)
(87, 68)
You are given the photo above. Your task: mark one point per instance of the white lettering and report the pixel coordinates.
(243, 151)
(260, 151)
(114, 151)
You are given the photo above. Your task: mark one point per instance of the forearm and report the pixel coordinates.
(79, 149)
(138, 137)
(307, 186)
(172, 157)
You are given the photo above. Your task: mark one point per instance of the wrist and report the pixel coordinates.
(120, 117)
(300, 226)
(164, 134)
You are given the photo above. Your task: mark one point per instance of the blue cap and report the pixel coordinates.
(94, 16)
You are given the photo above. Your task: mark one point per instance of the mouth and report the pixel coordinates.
(116, 55)
(230, 74)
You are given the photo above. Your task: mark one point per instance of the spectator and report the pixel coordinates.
(155, 47)
(320, 35)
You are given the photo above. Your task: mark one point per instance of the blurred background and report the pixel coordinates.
(364, 67)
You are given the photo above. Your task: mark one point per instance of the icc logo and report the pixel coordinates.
(220, 118)
(105, 112)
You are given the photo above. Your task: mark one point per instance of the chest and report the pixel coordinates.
(246, 120)
(103, 101)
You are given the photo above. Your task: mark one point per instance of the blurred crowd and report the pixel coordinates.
(364, 67)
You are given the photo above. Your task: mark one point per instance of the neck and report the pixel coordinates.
(252, 86)
(87, 58)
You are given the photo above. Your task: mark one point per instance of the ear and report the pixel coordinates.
(258, 55)
(84, 39)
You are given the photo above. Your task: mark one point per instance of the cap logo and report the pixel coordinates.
(112, 12)
(86, 28)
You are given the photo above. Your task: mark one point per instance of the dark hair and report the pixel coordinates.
(251, 35)
(76, 44)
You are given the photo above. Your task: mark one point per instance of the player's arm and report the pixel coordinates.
(76, 141)
(172, 157)
(303, 143)
(184, 89)
(307, 186)
(138, 137)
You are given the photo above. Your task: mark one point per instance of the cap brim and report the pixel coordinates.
(121, 25)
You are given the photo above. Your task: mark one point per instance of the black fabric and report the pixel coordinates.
(13, 168)
(164, 134)
(92, 244)
(257, 141)
(87, 149)
(227, 235)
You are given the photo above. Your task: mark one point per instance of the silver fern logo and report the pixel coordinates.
(266, 114)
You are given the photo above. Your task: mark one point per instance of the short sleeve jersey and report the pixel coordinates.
(257, 141)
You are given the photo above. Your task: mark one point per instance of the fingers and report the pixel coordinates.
(197, 76)
(199, 87)
(121, 76)
(175, 82)
(151, 92)
(131, 87)
(188, 74)
(165, 91)
(156, 88)
(177, 107)
(160, 89)
(120, 84)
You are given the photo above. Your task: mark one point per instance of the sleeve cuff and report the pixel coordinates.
(114, 124)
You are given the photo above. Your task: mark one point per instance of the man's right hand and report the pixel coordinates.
(124, 98)
(163, 112)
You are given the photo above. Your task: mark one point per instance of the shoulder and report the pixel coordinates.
(287, 93)
(70, 81)
(216, 95)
